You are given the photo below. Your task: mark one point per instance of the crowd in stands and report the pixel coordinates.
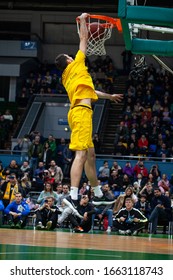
(53, 208)
(147, 123)
(47, 80)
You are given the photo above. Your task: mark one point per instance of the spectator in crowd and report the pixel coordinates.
(143, 144)
(101, 210)
(17, 212)
(122, 133)
(143, 205)
(9, 188)
(97, 143)
(116, 167)
(52, 145)
(38, 177)
(13, 167)
(129, 220)
(25, 184)
(47, 154)
(47, 215)
(140, 168)
(160, 209)
(120, 202)
(86, 209)
(128, 170)
(164, 184)
(115, 183)
(35, 153)
(24, 168)
(155, 172)
(24, 144)
(59, 189)
(47, 192)
(67, 161)
(59, 152)
(148, 190)
(104, 172)
(56, 172)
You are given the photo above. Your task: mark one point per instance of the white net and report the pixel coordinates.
(96, 39)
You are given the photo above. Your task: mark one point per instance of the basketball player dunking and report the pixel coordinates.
(80, 89)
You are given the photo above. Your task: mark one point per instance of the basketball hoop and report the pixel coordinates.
(99, 30)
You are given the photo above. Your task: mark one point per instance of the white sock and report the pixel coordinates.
(98, 192)
(74, 193)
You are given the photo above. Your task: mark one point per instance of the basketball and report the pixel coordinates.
(96, 30)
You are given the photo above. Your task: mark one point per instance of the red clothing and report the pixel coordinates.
(143, 143)
(141, 170)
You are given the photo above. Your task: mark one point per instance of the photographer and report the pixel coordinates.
(47, 215)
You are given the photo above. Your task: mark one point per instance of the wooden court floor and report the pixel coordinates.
(30, 244)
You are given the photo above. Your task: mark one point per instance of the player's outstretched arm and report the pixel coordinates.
(113, 97)
(83, 32)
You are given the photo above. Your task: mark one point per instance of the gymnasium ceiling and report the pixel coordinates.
(76, 5)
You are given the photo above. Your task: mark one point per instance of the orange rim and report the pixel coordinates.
(110, 21)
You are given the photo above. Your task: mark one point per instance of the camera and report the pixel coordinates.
(46, 201)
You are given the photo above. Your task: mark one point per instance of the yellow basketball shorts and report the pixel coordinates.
(80, 122)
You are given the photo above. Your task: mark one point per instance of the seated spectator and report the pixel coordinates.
(160, 209)
(143, 144)
(25, 184)
(104, 172)
(47, 192)
(140, 168)
(101, 210)
(150, 179)
(155, 172)
(47, 215)
(116, 167)
(13, 167)
(115, 183)
(128, 170)
(129, 220)
(126, 181)
(120, 202)
(122, 133)
(59, 189)
(163, 152)
(164, 184)
(120, 148)
(49, 178)
(166, 116)
(143, 205)
(86, 209)
(24, 168)
(148, 190)
(9, 188)
(17, 212)
(84, 189)
(38, 177)
(132, 150)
